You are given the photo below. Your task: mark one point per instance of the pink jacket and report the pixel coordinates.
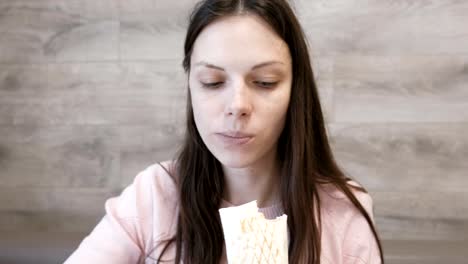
(146, 212)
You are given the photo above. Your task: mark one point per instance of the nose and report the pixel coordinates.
(238, 102)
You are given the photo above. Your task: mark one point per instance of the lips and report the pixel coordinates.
(235, 138)
(236, 134)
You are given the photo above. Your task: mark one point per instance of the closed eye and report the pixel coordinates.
(259, 83)
(211, 85)
(266, 84)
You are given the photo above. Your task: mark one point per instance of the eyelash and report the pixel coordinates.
(217, 84)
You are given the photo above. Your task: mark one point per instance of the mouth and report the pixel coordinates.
(235, 134)
(235, 138)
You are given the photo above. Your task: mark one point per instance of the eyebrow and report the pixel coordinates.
(212, 66)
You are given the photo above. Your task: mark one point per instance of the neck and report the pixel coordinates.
(258, 181)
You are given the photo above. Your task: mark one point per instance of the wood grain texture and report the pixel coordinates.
(59, 199)
(401, 89)
(52, 209)
(47, 221)
(386, 28)
(41, 31)
(65, 156)
(38, 247)
(92, 93)
(428, 252)
(421, 216)
(404, 157)
(153, 30)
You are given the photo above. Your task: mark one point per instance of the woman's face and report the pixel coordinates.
(240, 84)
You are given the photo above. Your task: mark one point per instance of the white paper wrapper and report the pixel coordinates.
(251, 238)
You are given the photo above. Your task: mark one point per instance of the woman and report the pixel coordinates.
(255, 131)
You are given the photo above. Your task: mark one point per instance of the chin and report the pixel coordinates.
(231, 160)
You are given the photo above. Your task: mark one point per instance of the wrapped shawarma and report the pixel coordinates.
(251, 238)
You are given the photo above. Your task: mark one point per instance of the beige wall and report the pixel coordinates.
(92, 92)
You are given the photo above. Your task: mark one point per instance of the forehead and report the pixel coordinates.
(238, 41)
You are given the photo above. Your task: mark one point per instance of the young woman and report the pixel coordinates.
(255, 131)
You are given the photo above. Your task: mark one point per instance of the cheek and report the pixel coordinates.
(280, 103)
(279, 117)
(203, 112)
(197, 112)
(278, 111)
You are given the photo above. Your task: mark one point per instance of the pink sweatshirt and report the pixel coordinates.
(146, 213)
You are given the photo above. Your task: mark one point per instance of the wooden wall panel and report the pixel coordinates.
(39, 31)
(403, 156)
(401, 89)
(396, 27)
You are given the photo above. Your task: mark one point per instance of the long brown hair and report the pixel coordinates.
(303, 149)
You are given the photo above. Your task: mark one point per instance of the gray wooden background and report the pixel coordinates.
(92, 92)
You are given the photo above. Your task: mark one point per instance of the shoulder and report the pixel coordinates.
(335, 202)
(153, 182)
(345, 230)
(134, 222)
(156, 184)
(158, 177)
(151, 199)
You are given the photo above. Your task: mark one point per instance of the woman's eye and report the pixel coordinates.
(266, 84)
(259, 83)
(211, 85)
